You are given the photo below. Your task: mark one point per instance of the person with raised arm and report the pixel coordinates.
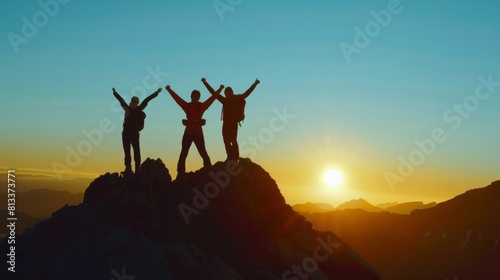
(193, 132)
(133, 123)
(233, 112)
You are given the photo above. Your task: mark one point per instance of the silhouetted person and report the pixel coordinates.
(232, 114)
(193, 132)
(132, 124)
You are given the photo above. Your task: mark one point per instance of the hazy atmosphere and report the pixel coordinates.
(399, 97)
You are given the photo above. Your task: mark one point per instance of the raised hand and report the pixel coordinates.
(257, 81)
(203, 80)
(114, 90)
(217, 92)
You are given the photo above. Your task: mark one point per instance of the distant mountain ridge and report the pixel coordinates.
(456, 239)
(392, 207)
(387, 204)
(23, 222)
(408, 207)
(359, 204)
(325, 206)
(308, 207)
(44, 202)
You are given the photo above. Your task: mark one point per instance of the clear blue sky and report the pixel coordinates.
(358, 116)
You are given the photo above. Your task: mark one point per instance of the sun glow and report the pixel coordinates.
(333, 178)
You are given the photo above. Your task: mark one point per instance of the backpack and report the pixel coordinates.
(234, 109)
(135, 120)
(140, 122)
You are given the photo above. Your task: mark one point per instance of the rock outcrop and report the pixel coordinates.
(224, 222)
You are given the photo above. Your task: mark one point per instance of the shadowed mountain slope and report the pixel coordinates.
(458, 238)
(223, 222)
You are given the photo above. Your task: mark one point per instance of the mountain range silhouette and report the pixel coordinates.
(41, 203)
(209, 224)
(392, 207)
(456, 239)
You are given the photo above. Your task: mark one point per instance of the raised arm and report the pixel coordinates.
(120, 99)
(212, 91)
(177, 98)
(204, 106)
(149, 98)
(252, 87)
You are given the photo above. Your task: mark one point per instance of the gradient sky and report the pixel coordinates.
(356, 116)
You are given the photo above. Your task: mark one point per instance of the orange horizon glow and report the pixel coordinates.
(298, 187)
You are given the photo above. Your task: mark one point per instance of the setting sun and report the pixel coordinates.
(333, 177)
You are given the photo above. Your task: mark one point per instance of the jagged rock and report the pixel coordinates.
(223, 222)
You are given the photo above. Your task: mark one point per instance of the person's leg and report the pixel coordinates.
(234, 140)
(126, 150)
(137, 151)
(199, 141)
(226, 133)
(232, 133)
(186, 144)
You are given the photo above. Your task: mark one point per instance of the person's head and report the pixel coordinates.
(195, 96)
(228, 92)
(134, 102)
